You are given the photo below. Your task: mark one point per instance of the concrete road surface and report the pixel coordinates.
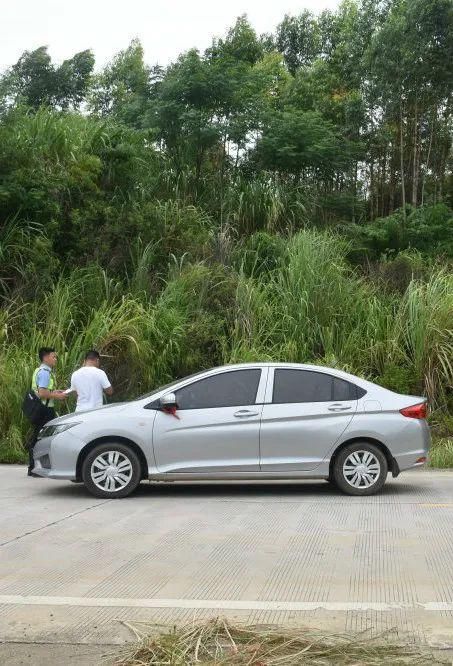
(78, 570)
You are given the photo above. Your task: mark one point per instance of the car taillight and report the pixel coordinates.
(419, 411)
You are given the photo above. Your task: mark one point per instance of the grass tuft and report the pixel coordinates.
(441, 453)
(216, 641)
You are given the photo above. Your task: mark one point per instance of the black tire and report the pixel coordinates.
(379, 477)
(133, 473)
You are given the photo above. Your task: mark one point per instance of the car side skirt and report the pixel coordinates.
(322, 472)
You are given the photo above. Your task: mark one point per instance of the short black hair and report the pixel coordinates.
(92, 355)
(43, 351)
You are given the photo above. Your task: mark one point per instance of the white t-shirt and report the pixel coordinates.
(89, 382)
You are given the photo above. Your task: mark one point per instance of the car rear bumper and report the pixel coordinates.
(414, 459)
(417, 456)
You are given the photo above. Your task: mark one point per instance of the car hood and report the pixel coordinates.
(81, 416)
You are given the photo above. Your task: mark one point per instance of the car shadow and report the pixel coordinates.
(241, 490)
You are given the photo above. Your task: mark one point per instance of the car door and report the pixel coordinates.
(216, 425)
(304, 415)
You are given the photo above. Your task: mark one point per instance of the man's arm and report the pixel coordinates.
(72, 389)
(106, 385)
(45, 394)
(43, 380)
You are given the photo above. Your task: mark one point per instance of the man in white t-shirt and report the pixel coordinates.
(90, 383)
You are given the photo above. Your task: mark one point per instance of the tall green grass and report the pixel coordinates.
(82, 311)
(441, 453)
(306, 305)
(315, 307)
(265, 204)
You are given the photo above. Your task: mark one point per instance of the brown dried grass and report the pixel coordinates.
(218, 642)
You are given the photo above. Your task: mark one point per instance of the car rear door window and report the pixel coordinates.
(301, 386)
(291, 386)
(228, 389)
(343, 390)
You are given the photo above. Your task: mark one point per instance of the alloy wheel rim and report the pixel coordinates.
(111, 471)
(361, 469)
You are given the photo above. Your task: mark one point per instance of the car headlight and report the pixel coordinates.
(51, 430)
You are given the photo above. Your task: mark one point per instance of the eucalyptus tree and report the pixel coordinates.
(411, 79)
(298, 38)
(122, 88)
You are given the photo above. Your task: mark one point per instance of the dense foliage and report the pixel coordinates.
(284, 196)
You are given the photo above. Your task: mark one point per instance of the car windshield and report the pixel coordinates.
(173, 383)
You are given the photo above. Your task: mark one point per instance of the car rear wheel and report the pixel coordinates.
(111, 470)
(360, 469)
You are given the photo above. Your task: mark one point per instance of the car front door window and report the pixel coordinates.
(228, 389)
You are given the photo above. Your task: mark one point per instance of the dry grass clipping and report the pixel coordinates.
(218, 642)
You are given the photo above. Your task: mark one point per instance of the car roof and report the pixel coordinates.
(297, 366)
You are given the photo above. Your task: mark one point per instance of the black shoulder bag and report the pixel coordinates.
(33, 408)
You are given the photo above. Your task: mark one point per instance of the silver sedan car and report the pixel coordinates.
(250, 421)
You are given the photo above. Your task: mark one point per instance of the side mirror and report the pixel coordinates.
(168, 401)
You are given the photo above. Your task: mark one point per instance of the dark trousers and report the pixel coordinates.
(47, 416)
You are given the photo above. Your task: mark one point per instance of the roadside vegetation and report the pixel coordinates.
(441, 454)
(217, 641)
(277, 197)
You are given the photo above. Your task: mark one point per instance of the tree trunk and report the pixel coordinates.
(415, 158)
(236, 161)
(372, 190)
(440, 189)
(392, 167)
(383, 184)
(431, 134)
(198, 170)
(403, 187)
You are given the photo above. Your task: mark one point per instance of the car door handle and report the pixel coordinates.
(244, 413)
(338, 408)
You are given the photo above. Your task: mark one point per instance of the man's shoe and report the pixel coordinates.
(30, 473)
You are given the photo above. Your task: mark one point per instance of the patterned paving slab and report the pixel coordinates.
(74, 569)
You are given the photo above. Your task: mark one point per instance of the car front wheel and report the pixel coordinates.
(360, 469)
(111, 470)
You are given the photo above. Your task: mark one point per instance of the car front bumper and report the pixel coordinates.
(56, 457)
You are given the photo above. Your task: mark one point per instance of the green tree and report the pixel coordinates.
(302, 143)
(207, 109)
(410, 84)
(122, 89)
(35, 81)
(299, 40)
